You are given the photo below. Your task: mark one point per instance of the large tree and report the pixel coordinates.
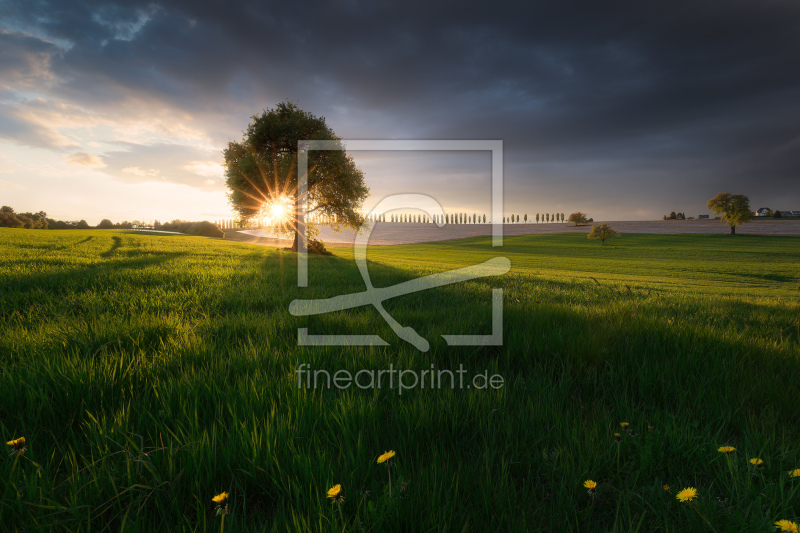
(735, 209)
(261, 173)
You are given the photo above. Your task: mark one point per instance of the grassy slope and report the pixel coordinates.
(149, 373)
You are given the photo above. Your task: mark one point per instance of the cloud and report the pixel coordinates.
(21, 129)
(25, 60)
(171, 163)
(86, 159)
(649, 103)
(140, 172)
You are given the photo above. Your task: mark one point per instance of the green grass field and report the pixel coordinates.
(150, 373)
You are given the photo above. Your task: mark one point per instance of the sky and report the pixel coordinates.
(623, 110)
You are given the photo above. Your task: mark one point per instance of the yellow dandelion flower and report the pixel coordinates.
(334, 491)
(589, 484)
(17, 444)
(386, 456)
(220, 499)
(649, 428)
(795, 472)
(686, 495)
(755, 461)
(616, 435)
(786, 525)
(667, 489)
(726, 449)
(624, 425)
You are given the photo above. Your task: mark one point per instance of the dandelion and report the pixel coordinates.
(667, 489)
(386, 456)
(624, 425)
(334, 491)
(795, 472)
(17, 446)
(649, 428)
(686, 495)
(756, 462)
(383, 459)
(726, 449)
(787, 525)
(221, 500)
(591, 485)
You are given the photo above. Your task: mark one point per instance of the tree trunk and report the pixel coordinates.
(300, 227)
(733, 230)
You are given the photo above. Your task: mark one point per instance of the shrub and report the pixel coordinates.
(317, 247)
(208, 229)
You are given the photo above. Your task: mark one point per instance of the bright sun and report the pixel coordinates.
(275, 212)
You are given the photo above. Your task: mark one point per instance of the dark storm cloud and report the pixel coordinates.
(24, 58)
(672, 98)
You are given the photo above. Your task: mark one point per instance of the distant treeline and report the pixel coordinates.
(204, 227)
(11, 219)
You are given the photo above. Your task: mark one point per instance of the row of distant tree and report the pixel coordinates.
(204, 227)
(11, 219)
(455, 218)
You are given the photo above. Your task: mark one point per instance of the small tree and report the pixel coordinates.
(777, 214)
(735, 209)
(578, 218)
(602, 232)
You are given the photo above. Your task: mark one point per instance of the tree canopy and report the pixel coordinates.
(261, 173)
(735, 209)
(578, 218)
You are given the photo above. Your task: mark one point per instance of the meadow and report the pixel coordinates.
(149, 373)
